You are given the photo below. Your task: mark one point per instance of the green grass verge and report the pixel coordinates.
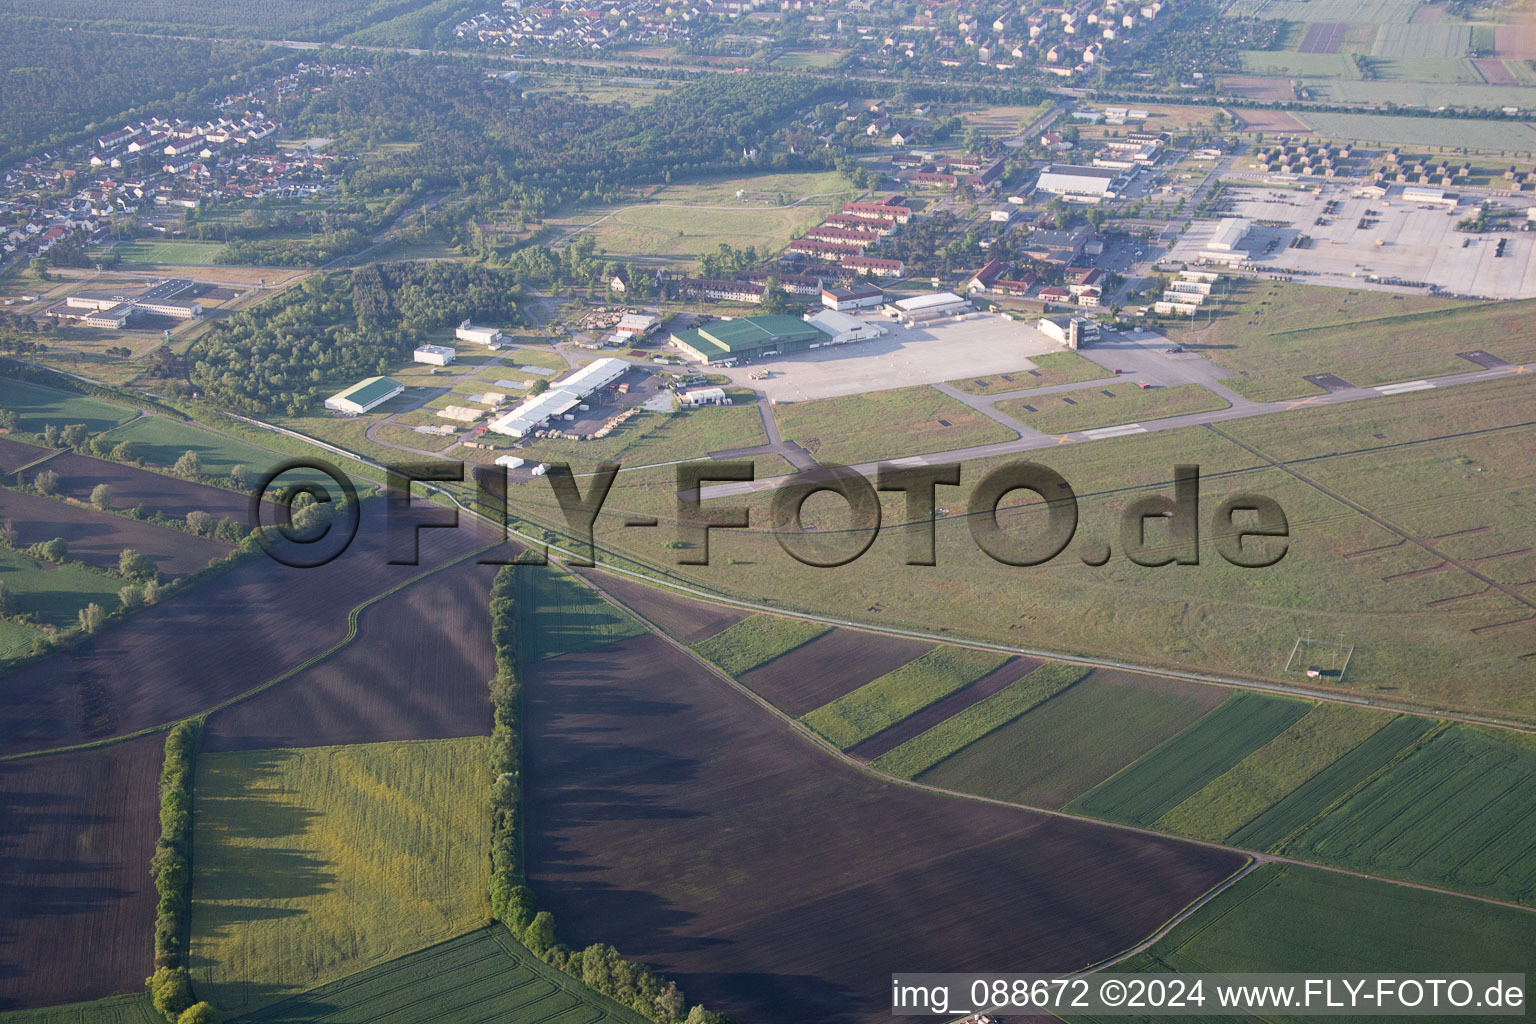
(1272, 333)
(757, 640)
(1074, 741)
(1290, 814)
(1269, 774)
(886, 425)
(315, 863)
(1455, 812)
(37, 406)
(881, 703)
(1120, 403)
(55, 593)
(484, 975)
(1161, 780)
(1051, 368)
(560, 615)
(955, 733)
(127, 1009)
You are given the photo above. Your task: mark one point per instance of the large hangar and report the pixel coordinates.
(748, 337)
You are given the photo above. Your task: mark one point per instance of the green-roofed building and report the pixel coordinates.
(748, 337)
(364, 395)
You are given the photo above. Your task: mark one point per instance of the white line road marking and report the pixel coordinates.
(910, 460)
(1399, 389)
(1121, 431)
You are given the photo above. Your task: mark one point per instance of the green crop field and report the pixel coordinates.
(1161, 780)
(1283, 918)
(560, 614)
(1124, 402)
(485, 975)
(757, 640)
(1075, 740)
(1274, 771)
(1455, 813)
(129, 1009)
(956, 733)
(1443, 39)
(313, 864)
(54, 593)
(15, 639)
(196, 254)
(1272, 333)
(1300, 65)
(1488, 136)
(36, 407)
(1292, 812)
(1050, 368)
(885, 425)
(881, 703)
(161, 441)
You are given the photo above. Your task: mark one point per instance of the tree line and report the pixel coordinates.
(599, 966)
(170, 987)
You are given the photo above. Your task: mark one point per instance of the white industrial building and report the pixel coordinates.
(510, 461)
(1225, 245)
(635, 325)
(462, 413)
(1079, 184)
(1071, 331)
(467, 331)
(705, 396)
(366, 394)
(842, 328)
(858, 296)
(534, 413)
(1420, 194)
(928, 306)
(436, 355)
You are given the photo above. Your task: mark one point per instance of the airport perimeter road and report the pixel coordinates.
(1241, 408)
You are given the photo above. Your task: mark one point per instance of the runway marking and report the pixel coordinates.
(1063, 439)
(1304, 401)
(1405, 387)
(1121, 431)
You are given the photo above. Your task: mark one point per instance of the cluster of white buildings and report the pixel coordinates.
(537, 411)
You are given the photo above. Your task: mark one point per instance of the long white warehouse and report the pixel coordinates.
(534, 413)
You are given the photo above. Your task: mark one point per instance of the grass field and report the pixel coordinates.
(1272, 333)
(885, 425)
(802, 59)
(1102, 407)
(1283, 918)
(1273, 772)
(129, 1009)
(1051, 368)
(924, 751)
(1159, 781)
(1488, 136)
(160, 441)
(682, 222)
(315, 863)
(559, 614)
(15, 639)
(883, 702)
(1075, 740)
(197, 254)
(55, 593)
(1455, 812)
(1302, 65)
(757, 640)
(36, 407)
(485, 975)
(651, 438)
(1291, 813)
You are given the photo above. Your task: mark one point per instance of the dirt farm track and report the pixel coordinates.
(653, 788)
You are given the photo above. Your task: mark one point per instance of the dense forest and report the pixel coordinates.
(336, 328)
(55, 83)
(534, 153)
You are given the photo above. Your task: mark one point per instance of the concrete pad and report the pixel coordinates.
(929, 354)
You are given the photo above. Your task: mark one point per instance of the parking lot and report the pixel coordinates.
(1403, 241)
(985, 343)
